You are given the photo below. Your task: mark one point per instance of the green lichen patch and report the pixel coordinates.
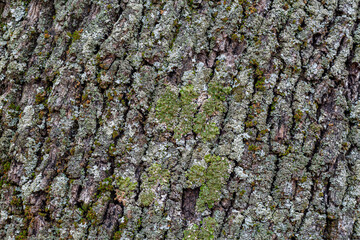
(180, 114)
(92, 216)
(124, 189)
(105, 186)
(188, 109)
(196, 175)
(205, 232)
(156, 176)
(211, 179)
(167, 108)
(207, 130)
(75, 35)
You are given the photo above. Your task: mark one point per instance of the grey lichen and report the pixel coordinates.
(179, 119)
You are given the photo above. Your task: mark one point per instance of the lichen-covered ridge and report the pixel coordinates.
(179, 119)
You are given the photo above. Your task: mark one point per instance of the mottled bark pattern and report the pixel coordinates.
(83, 154)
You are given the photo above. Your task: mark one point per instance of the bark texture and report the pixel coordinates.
(179, 119)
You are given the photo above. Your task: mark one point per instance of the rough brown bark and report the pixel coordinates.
(197, 119)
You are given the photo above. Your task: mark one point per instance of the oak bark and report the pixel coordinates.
(179, 119)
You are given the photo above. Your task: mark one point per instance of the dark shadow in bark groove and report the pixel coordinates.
(189, 202)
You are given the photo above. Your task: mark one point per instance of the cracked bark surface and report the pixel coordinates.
(84, 155)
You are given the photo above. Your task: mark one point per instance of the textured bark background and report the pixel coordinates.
(174, 119)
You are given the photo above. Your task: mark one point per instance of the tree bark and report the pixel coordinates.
(175, 119)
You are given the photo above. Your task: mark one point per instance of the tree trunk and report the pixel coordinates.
(175, 119)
